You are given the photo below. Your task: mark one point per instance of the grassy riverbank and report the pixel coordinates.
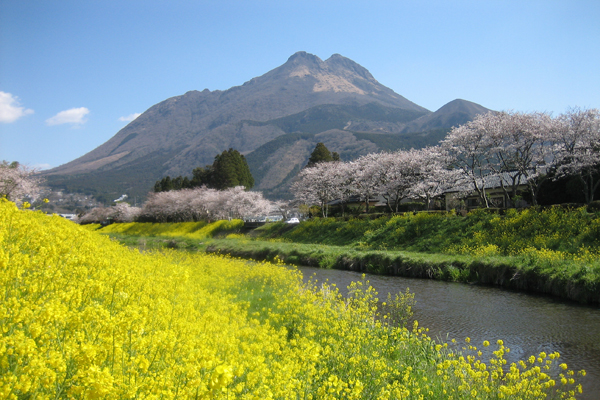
(570, 280)
(555, 251)
(84, 317)
(568, 233)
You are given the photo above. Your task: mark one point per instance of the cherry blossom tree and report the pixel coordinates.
(95, 215)
(396, 173)
(124, 212)
(18, 182)
(366, 177)
(512, 148)
(338, 175)
(577, 148)
(521, 150)
(315, 186)
(158, 207)
(203, 204)
(469, 150)
(239, 204)
(395, 176)
(433, 177)
(121, 212)
(284, 207)
(177, 205)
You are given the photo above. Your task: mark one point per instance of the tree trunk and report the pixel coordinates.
(389, 204)
(589, 187)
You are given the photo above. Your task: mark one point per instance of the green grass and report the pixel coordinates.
(552, 251)
(556, 229)
(570, 279)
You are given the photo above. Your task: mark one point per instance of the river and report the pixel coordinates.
(527, 323)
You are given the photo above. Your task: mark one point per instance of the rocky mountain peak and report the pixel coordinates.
(302, 64)
(337, 74)
(302, 57)
(338, 63)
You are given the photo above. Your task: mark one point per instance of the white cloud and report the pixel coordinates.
(10, 109)
(75, 116)
(130, 117)
(42, 167)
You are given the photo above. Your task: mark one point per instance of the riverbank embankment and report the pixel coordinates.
(553, 251)
(506, 272)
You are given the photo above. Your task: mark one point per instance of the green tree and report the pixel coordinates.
(164, 185)
(201, 176)
(320, 154)
(177, 183)
(230, 169)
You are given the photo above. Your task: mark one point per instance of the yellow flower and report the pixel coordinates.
(84, 317)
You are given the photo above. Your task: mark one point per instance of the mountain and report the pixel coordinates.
(335, 100)
(455, 113)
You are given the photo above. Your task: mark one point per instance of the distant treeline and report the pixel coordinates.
(229, 169)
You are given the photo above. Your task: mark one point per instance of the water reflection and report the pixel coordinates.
(528, 324)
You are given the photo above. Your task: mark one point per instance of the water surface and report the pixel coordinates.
(527, 323)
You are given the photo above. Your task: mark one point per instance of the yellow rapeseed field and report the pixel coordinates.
(83, 317)
(190, 230)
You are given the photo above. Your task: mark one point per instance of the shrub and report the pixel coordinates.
(594, 206)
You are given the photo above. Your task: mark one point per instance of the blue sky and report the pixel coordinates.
(73, 72)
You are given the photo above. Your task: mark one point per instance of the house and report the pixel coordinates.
(465, 192)
(375, 201)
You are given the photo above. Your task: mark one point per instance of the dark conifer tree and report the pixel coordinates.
(321, 154)
(201, 176)
(176, 183)
(166, 184)
(229, 169)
